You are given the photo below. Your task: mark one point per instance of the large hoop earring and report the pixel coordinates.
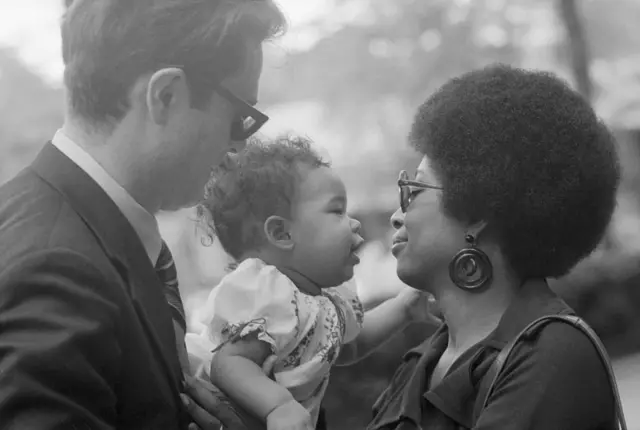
(470, 269)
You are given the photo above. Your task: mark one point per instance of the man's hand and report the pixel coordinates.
(420, 306)
(210, 408)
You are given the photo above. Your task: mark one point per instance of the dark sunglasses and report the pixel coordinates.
(249, 119)
(406, 194)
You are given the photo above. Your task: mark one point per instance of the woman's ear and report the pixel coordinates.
(278, 232)
(475, 229)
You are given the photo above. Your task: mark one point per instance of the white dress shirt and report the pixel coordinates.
(144, 223)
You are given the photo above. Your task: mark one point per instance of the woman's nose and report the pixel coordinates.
(397, 219)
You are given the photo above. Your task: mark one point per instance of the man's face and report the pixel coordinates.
(198, 139)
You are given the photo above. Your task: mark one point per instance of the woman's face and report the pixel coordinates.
(426, 239)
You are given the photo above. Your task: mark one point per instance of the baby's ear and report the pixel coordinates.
(278, 232)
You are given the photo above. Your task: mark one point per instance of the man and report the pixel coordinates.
(156, 92)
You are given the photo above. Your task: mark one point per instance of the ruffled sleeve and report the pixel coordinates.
(255, 298)
(346, 299)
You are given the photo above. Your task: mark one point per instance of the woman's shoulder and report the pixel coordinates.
(555, 377)
(563, 344)
(565, 360)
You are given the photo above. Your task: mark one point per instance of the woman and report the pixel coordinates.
(516, 184)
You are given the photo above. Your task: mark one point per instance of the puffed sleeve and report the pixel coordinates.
(255, 298)
(346, 299)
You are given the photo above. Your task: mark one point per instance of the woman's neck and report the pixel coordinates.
(470, 316)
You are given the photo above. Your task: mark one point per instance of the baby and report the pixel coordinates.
(280, 212)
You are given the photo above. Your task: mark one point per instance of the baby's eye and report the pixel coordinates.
(338, 211)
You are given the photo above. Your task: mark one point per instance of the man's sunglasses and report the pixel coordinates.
(248, 120)
(406, 194)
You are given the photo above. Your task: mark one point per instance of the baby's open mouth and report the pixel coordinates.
(355, 248)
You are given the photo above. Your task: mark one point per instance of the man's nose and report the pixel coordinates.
(237, 145)
(397, 219)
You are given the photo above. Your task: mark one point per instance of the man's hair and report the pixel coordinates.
(253, 185)
(522, 151)
(108, 44)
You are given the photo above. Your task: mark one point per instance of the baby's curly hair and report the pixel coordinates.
(522, 151)
(253, 185)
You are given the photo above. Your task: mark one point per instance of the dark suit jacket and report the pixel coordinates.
(86, 337)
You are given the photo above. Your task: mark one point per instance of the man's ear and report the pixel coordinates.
(278, 232)
(167, 90)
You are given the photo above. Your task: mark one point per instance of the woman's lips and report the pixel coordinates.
(397, 247)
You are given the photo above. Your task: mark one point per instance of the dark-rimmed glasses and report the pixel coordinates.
(406, 194)
(249, 119)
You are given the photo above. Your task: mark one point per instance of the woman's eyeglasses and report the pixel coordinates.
(249, 119)
(405, 186)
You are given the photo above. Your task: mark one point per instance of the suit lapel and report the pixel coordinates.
(121, 244)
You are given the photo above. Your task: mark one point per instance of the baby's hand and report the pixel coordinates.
(420, 306)
(290, 416)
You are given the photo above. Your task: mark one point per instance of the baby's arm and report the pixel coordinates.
(236, 370)
(379, 325)
(385, 320)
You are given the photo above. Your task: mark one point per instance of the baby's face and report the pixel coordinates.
(326, 238)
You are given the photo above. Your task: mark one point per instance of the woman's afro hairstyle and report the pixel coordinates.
(522, 151)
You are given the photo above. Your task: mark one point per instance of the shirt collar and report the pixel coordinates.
(144, 223)
(534, 300)
(455, 394)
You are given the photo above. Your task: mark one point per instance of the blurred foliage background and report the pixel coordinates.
(351, 81)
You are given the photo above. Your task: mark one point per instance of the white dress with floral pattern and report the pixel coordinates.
(305, 332)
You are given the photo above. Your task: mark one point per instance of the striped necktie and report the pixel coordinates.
(166, 271)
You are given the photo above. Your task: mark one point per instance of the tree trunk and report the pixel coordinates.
(579, 51)
(580, 60)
